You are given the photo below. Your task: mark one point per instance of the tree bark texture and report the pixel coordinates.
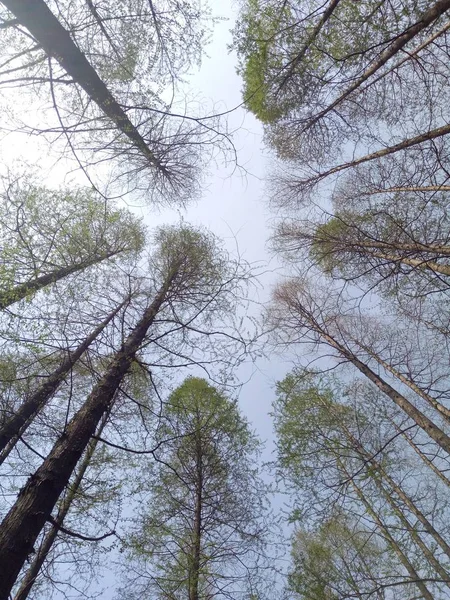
(38, 497)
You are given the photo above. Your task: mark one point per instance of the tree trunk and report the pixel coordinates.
(312, 37)
(433, 13)
(409, 143)
(32, 573)
(368, 459)
(38, 497)
(14, 427)
(424, 458)
(30, 287)
(384, 530)
(426, 265)
(389, 190)
(437, 434)
(432, 560)
(445, 412)
(195, 575)
(416, 248)
(56, 41)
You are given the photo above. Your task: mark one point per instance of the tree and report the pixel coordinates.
(189, 280)
(107, 93)
(323, 73)
(330, 446)
(14, 425)
(398, 249)
(48, 235)
(340, 559)
(299, 314)
(201, 531)
(57, 524)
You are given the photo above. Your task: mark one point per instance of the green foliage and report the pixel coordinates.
(192, 254)
(308, 420)
(45, 231)
(326, 242)
(293, 64)
(253, 37)
(337, 560)
(203, 494)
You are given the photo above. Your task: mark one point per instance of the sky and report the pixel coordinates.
(233, 206)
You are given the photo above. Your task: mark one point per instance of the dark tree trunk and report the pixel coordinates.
(14, 427)
(56, 41)
(430, 428)
(30, 287)
(32, 573)
(38, 497)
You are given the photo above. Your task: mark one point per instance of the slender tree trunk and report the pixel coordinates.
(56, 41)
(410, 55)
(426, 265)
(423, 457)
(413, 188)
(384, 530)
(433, 13)
(430, 428)
(432, 560)
(445, 412)
(313, 35)
(416, 248)
(368, 459)
(14, 427)
(36, 500)
(30, 287)
(195, 576)
(409, 143)
(32, 573)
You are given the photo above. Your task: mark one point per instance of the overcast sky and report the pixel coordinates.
(233, 204)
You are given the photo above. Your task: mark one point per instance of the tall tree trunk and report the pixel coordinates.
(428, 17)
(426, 265)
(384, 531)
(327, 13)
(430, 428)
(422, 456)
(404, 145)
(445, 412)
(56, 41)
(197, 529)
(41, 556)
(410, 55)
(368, 458)
(37, 499)
(408, 248)
(428, 554)
(30, 287)
(14, 427)
(412, 188)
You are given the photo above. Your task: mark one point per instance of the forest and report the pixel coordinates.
(188, 414)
